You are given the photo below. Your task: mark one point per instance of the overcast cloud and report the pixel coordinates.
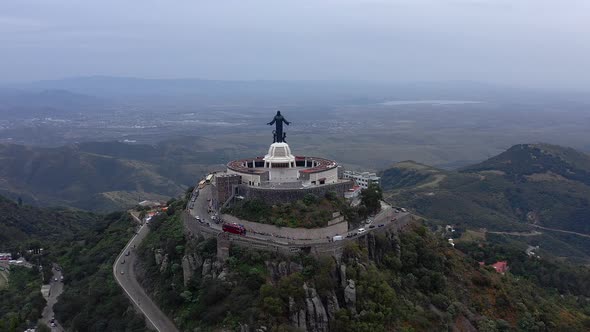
(520, 42)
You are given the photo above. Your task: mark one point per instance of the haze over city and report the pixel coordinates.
(530, 43)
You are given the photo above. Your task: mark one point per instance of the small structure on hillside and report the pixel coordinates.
(500, 267)
(151, 204)
(353, 192)
(362, 179)
(46, 291)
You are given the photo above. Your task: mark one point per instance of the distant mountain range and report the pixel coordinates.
(526, 186)
(47, 102)
(103, 176)
(284, 90)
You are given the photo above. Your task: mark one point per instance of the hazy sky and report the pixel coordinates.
(523, 42)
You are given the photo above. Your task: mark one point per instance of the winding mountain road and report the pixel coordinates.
(56, 290)
(124, 272)
(562, 231)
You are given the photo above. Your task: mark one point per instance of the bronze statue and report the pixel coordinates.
(278, 135)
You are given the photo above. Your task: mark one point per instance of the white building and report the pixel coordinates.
(280, 168)
(362, 179)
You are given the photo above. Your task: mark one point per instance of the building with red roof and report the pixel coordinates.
(500, 267)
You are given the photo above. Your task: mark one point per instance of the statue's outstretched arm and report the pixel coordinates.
(272, 122)
(286, 122)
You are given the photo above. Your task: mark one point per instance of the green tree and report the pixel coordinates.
(371, 197)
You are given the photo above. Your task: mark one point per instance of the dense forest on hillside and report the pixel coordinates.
(106, 176)
(20, 223)
(92, 300)
(413, 281)
(85, 246)
(21, 302)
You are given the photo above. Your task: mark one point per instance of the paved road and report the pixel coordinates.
(200, 208)
(128, 281)
(57, 288)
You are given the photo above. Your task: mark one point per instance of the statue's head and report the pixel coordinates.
(278, 112)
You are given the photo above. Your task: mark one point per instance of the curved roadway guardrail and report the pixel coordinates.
(288, 246)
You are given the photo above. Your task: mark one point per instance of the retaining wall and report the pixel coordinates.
(278, 195)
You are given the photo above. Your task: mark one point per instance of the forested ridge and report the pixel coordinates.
(527, 185)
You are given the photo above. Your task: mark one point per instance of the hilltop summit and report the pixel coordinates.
(524, 161)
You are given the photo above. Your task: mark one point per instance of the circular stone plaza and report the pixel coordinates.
(279, 176)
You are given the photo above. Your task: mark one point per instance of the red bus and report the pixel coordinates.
(234, 229)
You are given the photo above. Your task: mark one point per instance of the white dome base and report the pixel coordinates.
(279, 156)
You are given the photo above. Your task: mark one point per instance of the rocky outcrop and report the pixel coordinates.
(206, 268)
(350, 296)
(190, 263)
(315, 315)
(343, 282)
(281, 269)
(216, 269)
(332, 305)
(164, 264)
(158, 256)
(223, 274)
(297, 315)
(213, 269)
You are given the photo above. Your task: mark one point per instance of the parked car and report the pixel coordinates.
(372, 226)
(380, 225)
(362, 230)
